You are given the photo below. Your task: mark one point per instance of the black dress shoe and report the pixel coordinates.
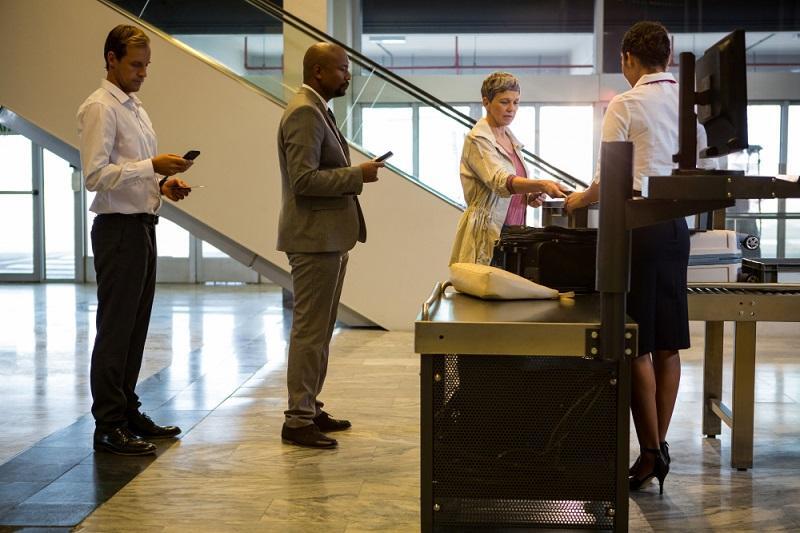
(309, 436)
(121, 441)
(143, 425)
(325, 423)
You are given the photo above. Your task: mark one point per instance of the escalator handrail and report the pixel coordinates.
(382, 72)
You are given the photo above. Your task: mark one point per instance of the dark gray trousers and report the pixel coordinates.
(317, 280)
(125, 255)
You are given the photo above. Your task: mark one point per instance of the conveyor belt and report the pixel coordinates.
(744, 302)
(744, 288)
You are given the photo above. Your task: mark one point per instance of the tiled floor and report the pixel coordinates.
(216, 364)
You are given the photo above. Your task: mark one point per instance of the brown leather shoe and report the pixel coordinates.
(325, 422)
(309, 436)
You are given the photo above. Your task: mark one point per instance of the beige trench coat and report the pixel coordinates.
(485, 167)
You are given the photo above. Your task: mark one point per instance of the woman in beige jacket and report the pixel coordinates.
(495, 181)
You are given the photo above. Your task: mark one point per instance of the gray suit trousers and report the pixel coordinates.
(317, 280)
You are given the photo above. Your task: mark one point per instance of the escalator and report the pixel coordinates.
(201, 96)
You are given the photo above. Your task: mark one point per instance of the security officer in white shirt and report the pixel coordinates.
(647, 116)
(118, 153)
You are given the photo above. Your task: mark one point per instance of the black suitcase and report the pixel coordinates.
(559, 258)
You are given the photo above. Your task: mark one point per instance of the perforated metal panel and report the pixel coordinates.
(524, 441)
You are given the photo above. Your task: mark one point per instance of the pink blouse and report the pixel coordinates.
(515, 216)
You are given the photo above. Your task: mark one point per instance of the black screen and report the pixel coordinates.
(722, 95)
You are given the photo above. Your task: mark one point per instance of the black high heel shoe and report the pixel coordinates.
(664, 446)
(660, 471)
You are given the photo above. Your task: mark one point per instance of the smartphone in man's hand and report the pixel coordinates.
(191, 155)
(384, 157)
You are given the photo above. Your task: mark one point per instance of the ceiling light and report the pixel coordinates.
(388, 39)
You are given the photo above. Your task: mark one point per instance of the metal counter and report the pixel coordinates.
(462, 324)
(523, 421)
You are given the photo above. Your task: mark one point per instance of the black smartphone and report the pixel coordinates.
(384, 157)
(191, 154)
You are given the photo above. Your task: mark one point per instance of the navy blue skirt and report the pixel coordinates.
(657, 299)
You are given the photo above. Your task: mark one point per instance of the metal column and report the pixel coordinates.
(613, 282)
(712, 377)
(744, 366)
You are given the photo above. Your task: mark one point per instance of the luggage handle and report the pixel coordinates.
(436, 294)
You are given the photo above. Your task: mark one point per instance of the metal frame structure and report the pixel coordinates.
(744, 304)
(664, 198)
(462, 325)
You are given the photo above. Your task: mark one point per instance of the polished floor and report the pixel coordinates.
(215, 364)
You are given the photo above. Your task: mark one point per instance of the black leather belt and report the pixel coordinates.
(147, 218)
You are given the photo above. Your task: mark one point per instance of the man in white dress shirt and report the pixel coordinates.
(120, 163)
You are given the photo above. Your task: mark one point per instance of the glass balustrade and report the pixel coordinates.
(381, 110)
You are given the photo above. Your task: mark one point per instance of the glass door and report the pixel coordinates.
(61, 200)
(20, 208)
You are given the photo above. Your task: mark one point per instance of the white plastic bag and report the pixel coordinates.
(493, 283)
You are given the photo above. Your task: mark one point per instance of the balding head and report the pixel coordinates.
(326, 69)
(320, 55)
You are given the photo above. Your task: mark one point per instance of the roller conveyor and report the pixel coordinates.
(744, 304)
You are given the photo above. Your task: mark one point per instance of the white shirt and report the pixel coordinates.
(117, 142)
(647, 115)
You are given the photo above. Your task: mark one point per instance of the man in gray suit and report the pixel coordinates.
(320, 222)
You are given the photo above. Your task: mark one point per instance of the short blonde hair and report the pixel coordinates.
(498, 82)
(120, 38)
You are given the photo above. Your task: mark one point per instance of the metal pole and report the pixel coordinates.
(687, 126)
(613, 282)
(613, 244)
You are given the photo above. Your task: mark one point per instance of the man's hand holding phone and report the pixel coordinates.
(369, 170)
(170, 164)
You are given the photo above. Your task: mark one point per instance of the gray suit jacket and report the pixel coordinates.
(320, 210)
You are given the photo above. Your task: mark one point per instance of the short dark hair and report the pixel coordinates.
(649, 42)
(120, 38)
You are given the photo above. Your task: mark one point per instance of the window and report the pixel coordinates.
(761, 159)
(565, 139)
(173, 240)
(16, 210)
(390, 128)
(552, 53)
(524, 127)
(440, 143)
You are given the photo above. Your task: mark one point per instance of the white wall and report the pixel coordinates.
(51, 59)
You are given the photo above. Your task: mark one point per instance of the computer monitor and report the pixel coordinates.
(722, 95)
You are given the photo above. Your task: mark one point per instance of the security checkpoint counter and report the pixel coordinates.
(522, 422)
